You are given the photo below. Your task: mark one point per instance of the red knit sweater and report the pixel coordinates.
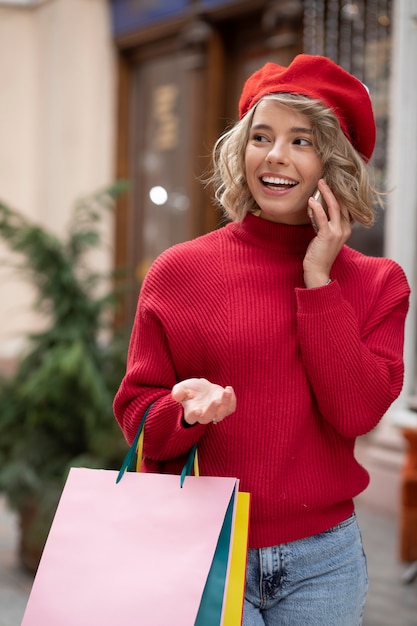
(312, 369)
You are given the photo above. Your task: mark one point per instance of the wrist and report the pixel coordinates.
(313, 282)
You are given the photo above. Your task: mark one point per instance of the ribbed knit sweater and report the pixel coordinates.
(312, 369)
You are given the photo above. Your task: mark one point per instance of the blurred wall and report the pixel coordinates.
(57, 128)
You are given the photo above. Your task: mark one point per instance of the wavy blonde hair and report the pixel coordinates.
(343, 169)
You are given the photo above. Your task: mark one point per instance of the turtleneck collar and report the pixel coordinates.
(272, 235)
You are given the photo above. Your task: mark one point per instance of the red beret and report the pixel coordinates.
(319, 78)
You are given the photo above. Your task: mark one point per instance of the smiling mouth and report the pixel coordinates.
(277, 183)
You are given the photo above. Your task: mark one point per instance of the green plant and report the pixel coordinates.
(56, 408)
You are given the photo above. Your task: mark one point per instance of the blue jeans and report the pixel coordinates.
(318, 581)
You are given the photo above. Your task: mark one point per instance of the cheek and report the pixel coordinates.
(251, 162)
(250, 172)
(317, 166)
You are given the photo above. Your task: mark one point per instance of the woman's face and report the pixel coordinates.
(282, 166)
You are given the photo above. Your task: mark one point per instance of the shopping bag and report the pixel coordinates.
(136, 553)
(223, 595)
(235, 584)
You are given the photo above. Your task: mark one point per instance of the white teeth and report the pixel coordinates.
(277, 181)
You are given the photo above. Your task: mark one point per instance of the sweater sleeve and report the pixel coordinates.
(150, 376)
(355, 366)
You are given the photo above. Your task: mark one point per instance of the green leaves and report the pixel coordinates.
(57, 407)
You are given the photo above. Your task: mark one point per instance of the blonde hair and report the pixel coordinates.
(343, 169)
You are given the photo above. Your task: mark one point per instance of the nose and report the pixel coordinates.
(278, 153)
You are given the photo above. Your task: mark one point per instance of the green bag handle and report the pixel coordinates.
(129, 462)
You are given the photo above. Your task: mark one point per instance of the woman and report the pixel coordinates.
(274, 345)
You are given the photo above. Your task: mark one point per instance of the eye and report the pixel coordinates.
(301, 141)
(258, 138)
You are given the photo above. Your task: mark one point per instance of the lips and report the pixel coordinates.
(274, 182)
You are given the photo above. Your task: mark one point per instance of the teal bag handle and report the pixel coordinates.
(189, 464)
(130, 459)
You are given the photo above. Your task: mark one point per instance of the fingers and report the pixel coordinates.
(328, 209)
(221, 407)
(180, 392)
(316, 208)
(204, 402)
(217, 406)
(332, 224)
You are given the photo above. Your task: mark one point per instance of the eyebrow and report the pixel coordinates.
(294, 130)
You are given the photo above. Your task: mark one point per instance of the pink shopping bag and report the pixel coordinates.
(135, 553)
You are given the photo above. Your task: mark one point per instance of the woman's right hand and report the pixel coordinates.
(204, 402)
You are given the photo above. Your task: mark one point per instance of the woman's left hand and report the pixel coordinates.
(332, 234)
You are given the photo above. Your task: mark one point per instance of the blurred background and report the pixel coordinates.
(108, 113)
